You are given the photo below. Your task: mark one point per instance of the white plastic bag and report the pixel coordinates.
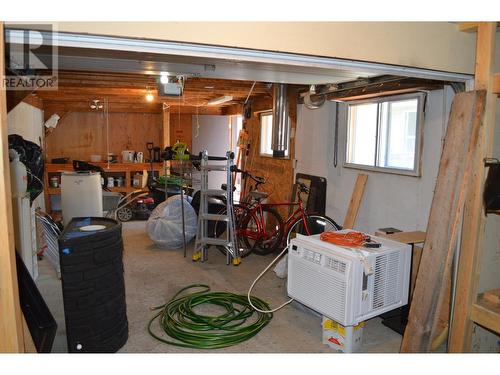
(281, 269)
(164, 226)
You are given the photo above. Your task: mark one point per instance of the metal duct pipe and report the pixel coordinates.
(280, 120)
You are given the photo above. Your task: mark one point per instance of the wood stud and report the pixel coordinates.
(425, 320)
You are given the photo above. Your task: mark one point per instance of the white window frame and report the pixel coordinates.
(263, 154)
(417, 166)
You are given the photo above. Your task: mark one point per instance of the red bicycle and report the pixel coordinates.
(261, 229)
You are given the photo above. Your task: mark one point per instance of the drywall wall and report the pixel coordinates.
(212, 135)
(390, 200)
(431, 45)
(27, 121)
(81, 134)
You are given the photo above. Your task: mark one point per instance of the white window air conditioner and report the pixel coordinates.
(348, 285)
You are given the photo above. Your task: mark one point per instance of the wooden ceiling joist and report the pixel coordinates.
(127, 93)
(59, 108)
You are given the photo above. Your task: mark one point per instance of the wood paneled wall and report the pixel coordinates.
(81, 134)
(279, 172)
(181, 127)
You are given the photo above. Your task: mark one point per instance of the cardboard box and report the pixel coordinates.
(340, 338)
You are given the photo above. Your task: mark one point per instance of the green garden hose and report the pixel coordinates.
(189, 329)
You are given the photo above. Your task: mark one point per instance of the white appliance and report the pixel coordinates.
(81, 195)
(127, 156)
(23, 215)
(348, 285)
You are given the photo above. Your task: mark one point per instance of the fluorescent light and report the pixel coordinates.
(220, 100)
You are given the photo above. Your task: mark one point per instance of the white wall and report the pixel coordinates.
(213, 136)
(390, 200)
(27, 121)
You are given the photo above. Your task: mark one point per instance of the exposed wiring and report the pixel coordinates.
(250, 92)
(197, 133)
(106, 113)
(189, 329)
(250, 297)
(183, 101)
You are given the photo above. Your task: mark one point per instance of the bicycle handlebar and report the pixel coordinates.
(257, 179)
(303, 187)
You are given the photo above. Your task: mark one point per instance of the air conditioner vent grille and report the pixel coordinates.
(386, 286)
(329, 293)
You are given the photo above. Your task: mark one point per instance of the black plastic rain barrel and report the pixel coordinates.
(91, 256)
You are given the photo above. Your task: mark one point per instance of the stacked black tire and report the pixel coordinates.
(93, 286)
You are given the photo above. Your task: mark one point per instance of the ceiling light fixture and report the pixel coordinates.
(220, 100)
(96, 105)
(149, 96)
(164, 77)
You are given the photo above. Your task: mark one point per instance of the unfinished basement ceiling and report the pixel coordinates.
(127, 92)
(88, 65)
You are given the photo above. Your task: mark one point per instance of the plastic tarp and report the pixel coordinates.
(30, 154)
(164, 226)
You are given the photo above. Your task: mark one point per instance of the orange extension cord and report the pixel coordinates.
(349, 239)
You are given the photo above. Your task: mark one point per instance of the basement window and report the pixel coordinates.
(266, 135)
(384, 134)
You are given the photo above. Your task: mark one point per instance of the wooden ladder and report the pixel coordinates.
(468, 307)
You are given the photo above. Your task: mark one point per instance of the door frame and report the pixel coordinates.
(11, 320)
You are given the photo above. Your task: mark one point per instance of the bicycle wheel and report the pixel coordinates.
(267, 242)
(220, 227)
(316, 224)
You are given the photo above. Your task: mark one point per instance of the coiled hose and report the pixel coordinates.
(190, 329)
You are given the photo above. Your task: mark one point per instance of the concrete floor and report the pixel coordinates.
(153, 275)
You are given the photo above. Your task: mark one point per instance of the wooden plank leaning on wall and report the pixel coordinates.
(355, 202)
(453, 178)
(11, 324)
(474, 219)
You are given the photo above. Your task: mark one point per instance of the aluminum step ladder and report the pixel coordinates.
(204, 239)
